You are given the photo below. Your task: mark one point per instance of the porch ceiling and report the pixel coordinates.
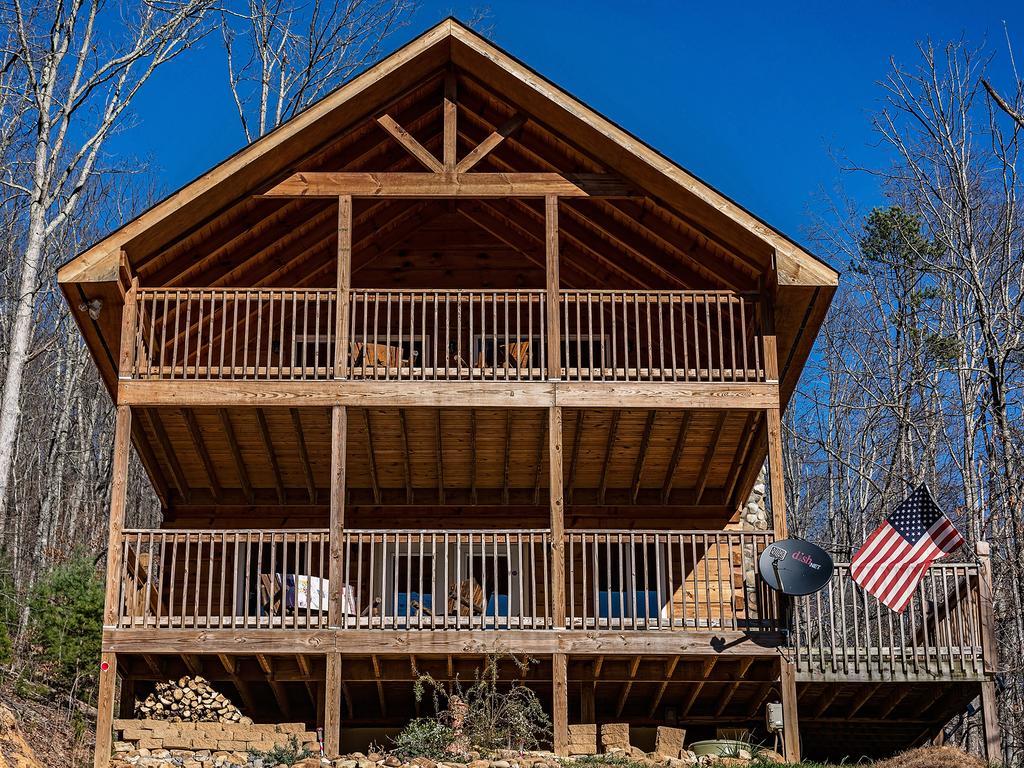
(209, 457)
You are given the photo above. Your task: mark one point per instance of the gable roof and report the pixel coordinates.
(804, 284)
(451, 40)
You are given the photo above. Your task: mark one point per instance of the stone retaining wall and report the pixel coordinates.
(227, 737)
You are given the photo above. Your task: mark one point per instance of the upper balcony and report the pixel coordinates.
(409, 335)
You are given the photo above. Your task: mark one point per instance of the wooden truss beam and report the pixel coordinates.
(449, 185)
(409, 144)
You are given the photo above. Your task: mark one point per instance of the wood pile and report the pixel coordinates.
(189, 700)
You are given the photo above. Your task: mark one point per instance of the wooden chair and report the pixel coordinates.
(518, 353)
(468, 595)
(270, 595)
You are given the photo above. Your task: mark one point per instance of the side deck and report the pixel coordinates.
(687, 591)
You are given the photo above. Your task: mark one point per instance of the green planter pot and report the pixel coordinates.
(722, 748)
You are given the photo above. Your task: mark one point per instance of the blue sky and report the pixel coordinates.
(762, 100)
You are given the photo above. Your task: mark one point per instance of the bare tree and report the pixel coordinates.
(81, 63)
(284, 55)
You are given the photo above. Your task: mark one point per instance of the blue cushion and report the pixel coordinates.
(646, 604)
(497, 605)
(407, 598)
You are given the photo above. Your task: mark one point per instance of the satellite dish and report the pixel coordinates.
(795, 567)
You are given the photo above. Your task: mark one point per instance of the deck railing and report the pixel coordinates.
(431, 335)
(445, 335)
(843, 631)
(446, 579)
(243, 333)
(689, 336)
(224, 579)
(672, 580)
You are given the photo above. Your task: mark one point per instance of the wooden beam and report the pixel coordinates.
(307, 467)
(557, 522)
(236, 454)
(634, 665)
(484, 148)
(204, 455)
(677, 455)
(730, 690)
(268, 447)
(832, 693)
(861, 699)
(244, 692)
(990, 723)
(542, 442)
(507, 456)
(339, 442)
(343, 283)
(332, 706)
(105, 710)
(669, 672)
(280, 694)
(410, 145)
(432, 185)
(149, 461)
(773, 420)
(380, 686)
(576, 430)
(371, 456)
(560, 704)
(177, 475)
(709, 665)
(193, 662)
(439, 455)
(118, 494)
(472, 455)
(613, 429)
(641, 459)
(451, 135)
(406, 459)
(791, 728)
(709, 455)
(554, 340)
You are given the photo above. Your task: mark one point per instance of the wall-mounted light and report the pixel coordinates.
(92, 307)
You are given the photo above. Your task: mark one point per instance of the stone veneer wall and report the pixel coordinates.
(162, 734)
(754, 517)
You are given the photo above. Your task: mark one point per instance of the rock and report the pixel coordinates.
(668, 742)
(615, 736)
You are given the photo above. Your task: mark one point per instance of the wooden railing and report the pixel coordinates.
(239, 579)
(431, 335)
(446, 579)
(702, 336)
(672, 580)
(234, 333)
(844, 632)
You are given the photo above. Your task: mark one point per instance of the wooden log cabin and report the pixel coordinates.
(450, 365)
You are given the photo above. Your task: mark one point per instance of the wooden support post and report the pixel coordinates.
(105, 709)
(557, 523)
(118, 491)
(990, 723)
(560, 704)
(450, 129)
(126, 701)
(588, 689)
(773, 416)
(344, 285)
(332, 706)
(339, 440)
(554, 340)
(791, 729)
(989, 650)
(778, 489)
(129, 331)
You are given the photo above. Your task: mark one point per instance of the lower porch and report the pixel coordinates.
(707, 694)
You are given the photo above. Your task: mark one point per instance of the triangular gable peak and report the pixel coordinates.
(631, 219)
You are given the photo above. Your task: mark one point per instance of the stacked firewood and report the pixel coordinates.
(189, 700)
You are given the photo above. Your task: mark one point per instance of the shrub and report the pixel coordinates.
(66, 621)
(281, 755)
(424, 737)
(484, 717)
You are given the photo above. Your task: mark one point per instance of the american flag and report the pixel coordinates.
(894, 558)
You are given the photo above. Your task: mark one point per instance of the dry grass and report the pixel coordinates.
(932, 757)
